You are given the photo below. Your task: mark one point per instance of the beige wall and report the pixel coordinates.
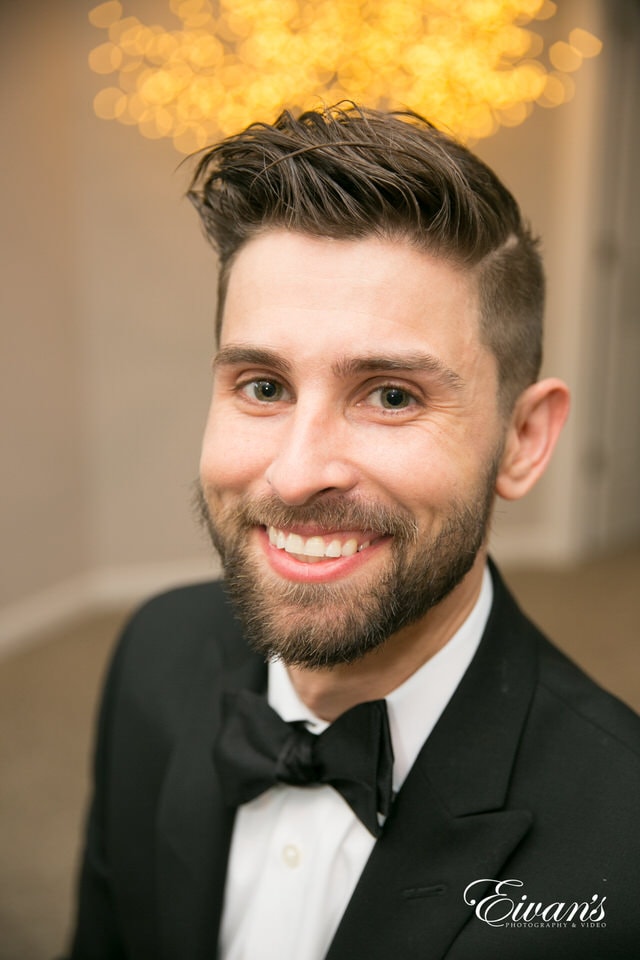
(146, 285)
(552, 164)
(109, 293)
(575, 172)
(43, 514)
(107, 305)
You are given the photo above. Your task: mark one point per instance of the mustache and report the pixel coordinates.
(328, 513)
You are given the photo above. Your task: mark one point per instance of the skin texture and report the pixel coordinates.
(353, 399)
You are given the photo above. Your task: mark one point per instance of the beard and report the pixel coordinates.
(325, 624)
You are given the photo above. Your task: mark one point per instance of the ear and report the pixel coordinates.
(534, 428)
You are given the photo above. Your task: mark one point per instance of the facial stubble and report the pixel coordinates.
(324, 624)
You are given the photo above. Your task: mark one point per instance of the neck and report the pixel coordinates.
(330, 691)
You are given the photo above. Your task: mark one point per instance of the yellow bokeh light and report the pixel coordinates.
(547, 10)
(106, 14)
(110, 103)
(107, 58)
(468, 65)
(585, 42)
(565, 57)
(558, 89)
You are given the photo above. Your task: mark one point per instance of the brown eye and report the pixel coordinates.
(392, 398)
(266, 391)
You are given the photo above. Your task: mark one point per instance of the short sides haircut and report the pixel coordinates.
(347, 172)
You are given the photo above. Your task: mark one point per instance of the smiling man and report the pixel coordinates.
(357, 746)
(367, 437)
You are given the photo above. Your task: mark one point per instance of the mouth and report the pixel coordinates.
(317, 546)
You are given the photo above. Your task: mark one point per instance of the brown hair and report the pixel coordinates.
(347, 172)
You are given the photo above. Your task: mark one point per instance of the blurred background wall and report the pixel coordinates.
(106, 334)
(107, 316)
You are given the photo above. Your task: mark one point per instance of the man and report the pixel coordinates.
(362, 749)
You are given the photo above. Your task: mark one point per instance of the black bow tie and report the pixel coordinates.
(256, 749)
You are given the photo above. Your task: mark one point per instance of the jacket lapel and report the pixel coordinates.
(449, 825)
(193, 824)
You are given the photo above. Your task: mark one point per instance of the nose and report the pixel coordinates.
(314, 456)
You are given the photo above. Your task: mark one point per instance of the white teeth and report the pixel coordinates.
(315, 547)
(294, 544)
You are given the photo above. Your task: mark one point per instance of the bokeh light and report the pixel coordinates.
(470, 66)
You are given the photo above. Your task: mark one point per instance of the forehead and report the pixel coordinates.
(285, 286)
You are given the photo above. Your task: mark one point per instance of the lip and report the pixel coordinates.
(323, 571)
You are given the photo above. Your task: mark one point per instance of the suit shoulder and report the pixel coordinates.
(574, 703)
(603, 713)
(170, 639)
(196, 610)
(192, 597)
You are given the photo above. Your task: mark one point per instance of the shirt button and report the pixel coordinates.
(291, 855)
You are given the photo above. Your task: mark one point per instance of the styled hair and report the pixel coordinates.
(347, 172)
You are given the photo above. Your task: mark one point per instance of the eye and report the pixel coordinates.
(392, 398)
(265, 391)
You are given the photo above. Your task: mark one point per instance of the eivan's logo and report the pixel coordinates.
(502, 906)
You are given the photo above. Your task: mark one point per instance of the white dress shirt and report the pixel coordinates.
(297, 852)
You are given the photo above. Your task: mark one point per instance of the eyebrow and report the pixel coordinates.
(418, 362)
(345, 367)
(234, 355)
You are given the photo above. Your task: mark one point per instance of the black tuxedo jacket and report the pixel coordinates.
(532, 774)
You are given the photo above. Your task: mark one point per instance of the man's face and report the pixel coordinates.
(353, 441)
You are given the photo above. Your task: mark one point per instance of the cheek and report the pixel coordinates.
(428, 471)
(404, 468)
(229, 460)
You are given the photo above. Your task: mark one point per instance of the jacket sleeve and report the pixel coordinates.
(96, 935)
